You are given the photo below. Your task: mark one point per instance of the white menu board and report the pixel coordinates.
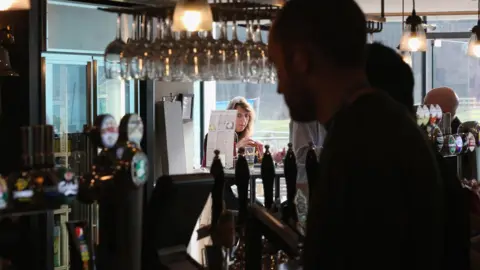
(221, 136)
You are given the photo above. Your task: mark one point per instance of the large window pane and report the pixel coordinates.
(113, 96)
(451, 67)
(272, 122)
(390, 36)
(444, 24)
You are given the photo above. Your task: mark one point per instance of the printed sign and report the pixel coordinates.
(139, 168)
(135, 129)
(109, 131)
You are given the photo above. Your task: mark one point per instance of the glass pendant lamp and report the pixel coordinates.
(14, 4)
(192, 16)
(474, 43)
(406, 57)
(413, 38)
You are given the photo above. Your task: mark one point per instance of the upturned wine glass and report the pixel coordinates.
(114, 52)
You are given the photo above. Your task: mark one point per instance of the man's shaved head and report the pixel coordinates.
(445, 97)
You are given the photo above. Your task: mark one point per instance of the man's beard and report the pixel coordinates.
(301, 105)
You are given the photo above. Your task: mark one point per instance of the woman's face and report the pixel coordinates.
(243, 117)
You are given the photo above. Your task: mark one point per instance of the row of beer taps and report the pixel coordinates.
(228, 229)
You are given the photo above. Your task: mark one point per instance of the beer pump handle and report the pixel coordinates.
(311, 165)
(268, 177)
(242, 179)
(447, 124)
(38, 146)
(27, 146)
(216, 170)
(290, 170)
(48, 151)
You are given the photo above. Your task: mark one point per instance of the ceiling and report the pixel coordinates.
(395, 6)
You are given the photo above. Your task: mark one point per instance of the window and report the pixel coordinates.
(390, 36)
(449, 24)
(449, 66)
(272, 121)
(272, 117)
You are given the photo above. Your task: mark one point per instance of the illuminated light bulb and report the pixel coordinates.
(192, 16)
(414, 44)
(6, 4)
(476, 50)
(14, 5)
(191, 20)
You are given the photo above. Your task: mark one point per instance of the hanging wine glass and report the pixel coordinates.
(210, 59)
(235, 68)
(248, 59)
(262, 74)
(180, 60)
(129, 52)
(141, 62)
(157, 59)
(195, 57)
(113, 53)
(168, 53)
(222, 48)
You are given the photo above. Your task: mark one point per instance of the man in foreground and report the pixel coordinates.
(378, 201)
(386, 71)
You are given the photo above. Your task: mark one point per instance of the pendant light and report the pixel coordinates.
(192, 16)
(406, 56)
(474, 43)
(278, 3)
(14, 4)
(413, 38)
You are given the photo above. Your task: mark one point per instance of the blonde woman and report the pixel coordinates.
(243, 126)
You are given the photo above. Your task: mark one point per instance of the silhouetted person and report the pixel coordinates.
(378, 202)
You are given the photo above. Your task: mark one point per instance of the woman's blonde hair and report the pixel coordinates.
(242, 103)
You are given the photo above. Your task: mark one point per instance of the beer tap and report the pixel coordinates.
(216, 230)
(242, 179)
(468, 162)
(311, 165)
(434, 132)
(469, 129)
(268, 177)
(104, 135)
(290, 170)
(222, 225)
(450, 146)
(216, 170)
(132, 162)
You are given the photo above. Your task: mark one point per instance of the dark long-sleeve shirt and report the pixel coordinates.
(378, 203)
